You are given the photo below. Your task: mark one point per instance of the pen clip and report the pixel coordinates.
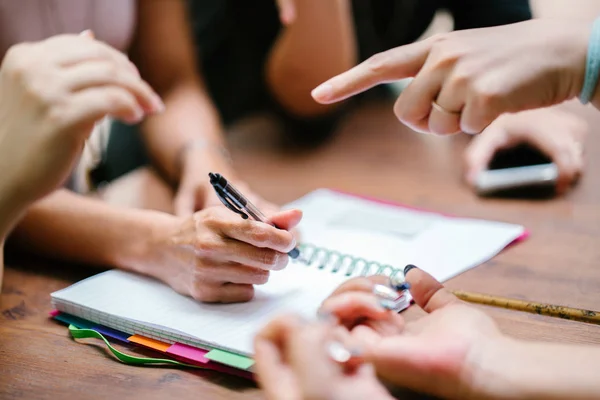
(228, 203)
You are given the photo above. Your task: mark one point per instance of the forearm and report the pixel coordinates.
(10, 211)
(318, 44)
(189, 115)
(68, 226)
(535, 371)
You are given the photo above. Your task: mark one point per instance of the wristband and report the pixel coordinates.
(592, 65)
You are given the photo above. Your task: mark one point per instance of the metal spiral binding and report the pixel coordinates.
(337, 262)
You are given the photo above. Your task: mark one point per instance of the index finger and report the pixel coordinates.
(258, 234)
(270, 345)
(400, 62)
(308, 356)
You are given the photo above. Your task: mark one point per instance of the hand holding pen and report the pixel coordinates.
(234, 200)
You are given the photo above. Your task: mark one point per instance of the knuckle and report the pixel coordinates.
(402, 112)
(270, 258)
(461, 76)
(260, 277)
(207, 294)
(486, 95)
(210, 218)
(445, 53)
(439, 38)
(378, 63)
(260, 236)
(56, 116)
(111, 69)
(245, 295)
(206, 244)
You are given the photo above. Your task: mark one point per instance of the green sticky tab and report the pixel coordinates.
(231, 359)
(125, 358)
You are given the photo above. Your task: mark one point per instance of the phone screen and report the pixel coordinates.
(521, 171)
(519, 156)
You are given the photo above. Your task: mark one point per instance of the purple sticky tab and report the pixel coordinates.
(112, 333)
(188, 353)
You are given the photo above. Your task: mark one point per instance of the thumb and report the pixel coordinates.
(287, 219)
(185, 201)
(427, 292)
(480, 151)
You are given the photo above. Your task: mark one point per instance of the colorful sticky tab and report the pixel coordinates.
(151, 343)
(84, 324)
(72, 320)
(188, 353)
(231, 359)
(112, 333)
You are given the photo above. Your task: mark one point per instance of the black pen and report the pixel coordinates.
(238, 203)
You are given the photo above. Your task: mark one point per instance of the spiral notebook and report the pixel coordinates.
(343, 236)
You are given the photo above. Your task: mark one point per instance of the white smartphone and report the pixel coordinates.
(506, 179)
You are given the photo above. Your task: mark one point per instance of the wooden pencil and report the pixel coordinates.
(574, 314)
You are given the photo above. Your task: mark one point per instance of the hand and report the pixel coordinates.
(439, 354)
(195, 191)
(287, 11)
(356, 308)
(447, 353)
(51, 94)
(475, 75)
(292, 363)
(559, 135)
(216, 256)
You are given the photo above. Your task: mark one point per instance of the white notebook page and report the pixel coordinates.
(440, 245)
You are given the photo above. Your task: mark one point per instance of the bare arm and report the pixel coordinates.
(319, 43)
(69, 226)
(164, 53)
(535, 371)
(10, 210)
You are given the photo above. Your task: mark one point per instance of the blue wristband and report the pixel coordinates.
(592, 65)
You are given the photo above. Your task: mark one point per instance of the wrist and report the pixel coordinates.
(202, 152)
(512, 369)
(12, 208)
(142, 252)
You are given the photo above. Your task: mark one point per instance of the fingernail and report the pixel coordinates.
(356, 352)
(338, 352)
(137, 117)
(402, 287)
(323, 92)
(396, 281)
(287, 17)
(408, 268)
(388, 304)
(326, 317)
(384, 292)
(87, 33)
(158, 105)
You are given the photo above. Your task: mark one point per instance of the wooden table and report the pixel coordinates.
(371, 154)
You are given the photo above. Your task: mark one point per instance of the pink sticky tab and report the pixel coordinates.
(188, 352)
(54, 313)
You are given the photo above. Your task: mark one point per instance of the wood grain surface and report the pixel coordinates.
(371, 154)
